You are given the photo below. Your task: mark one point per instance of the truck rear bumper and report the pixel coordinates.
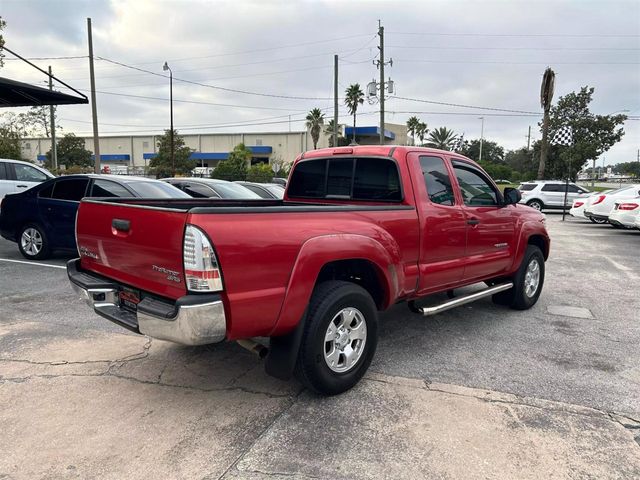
(190, 320)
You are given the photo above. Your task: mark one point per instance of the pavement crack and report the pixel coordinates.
(259, 437)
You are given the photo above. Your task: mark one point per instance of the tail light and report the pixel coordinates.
(201, 270)
(577, 204)
(627, 206)
(599, 199)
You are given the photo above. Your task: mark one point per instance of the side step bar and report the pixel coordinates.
(456, 302)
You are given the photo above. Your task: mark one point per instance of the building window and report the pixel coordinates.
(145, 144)
(27, 146)
(258, 142)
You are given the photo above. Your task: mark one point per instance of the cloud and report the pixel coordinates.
(489, 54)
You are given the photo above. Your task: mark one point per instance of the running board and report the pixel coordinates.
(456, 302)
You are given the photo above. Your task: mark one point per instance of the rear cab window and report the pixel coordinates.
(347, 178)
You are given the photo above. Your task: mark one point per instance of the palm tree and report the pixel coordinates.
(421, 131)
(315, 120)
(328, 130)
(412, 125)
(441, 138)
(354, 96)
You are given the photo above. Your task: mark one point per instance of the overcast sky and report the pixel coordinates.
(484, 54)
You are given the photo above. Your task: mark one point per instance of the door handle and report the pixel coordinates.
(22, 186)
(473, 221)
(120, 225)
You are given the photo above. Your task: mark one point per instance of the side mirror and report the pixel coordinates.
(511, 196)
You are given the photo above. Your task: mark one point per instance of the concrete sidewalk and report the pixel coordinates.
(86, 404)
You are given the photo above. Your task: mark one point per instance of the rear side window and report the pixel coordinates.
(73, 189)
(437, 180)
(368, 179)
(46, 191)
(25, 173)
(3, 171)
(527, 187)
(197, 190)
(106, 188)
(156, 190)
(552, 187)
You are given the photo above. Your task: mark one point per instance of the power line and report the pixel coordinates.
(448, 104)
(535, 35)
(466, 113)
(215, 87)
(515, 63)
(70, 57)
(432, 47)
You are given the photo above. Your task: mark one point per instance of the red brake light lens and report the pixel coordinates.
(627, 206)
(599, 199)
(578, 204)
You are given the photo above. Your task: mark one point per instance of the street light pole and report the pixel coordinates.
(165, 67)
(481, 137)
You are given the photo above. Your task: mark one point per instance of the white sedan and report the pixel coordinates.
(601, 204)
(580, 203)
(625, 212)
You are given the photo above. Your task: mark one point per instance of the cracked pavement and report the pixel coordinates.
(478, 392)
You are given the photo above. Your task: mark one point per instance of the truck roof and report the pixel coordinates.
(376, 150)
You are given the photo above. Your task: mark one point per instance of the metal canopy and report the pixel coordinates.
(18, 94)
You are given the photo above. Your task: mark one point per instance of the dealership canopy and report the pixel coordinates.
(18, 94)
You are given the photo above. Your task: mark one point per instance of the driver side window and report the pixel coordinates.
(476, 189)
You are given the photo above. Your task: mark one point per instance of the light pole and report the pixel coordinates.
(165, 67)
(481, 137)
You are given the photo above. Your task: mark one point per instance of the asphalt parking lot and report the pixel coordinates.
(477, 392)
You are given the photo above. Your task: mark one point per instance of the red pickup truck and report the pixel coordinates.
(360, 229)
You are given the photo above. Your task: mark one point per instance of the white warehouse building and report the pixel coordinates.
(211, 148)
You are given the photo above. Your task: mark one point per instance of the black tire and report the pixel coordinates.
(36, 232)
(537, 204)
(517, 297)
(616, 226)
(328, 300)
(598, 221)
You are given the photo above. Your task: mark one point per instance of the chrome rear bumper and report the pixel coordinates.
(190, 320)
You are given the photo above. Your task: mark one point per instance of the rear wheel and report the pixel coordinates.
(527, 282)
(33, 243)
(599, 221)
(339, 339)
(537, 204)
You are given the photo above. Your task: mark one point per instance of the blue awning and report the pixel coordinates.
(118, 157)
(369, 132)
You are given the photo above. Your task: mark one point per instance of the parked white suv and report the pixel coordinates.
(541, 194)
(17, 176)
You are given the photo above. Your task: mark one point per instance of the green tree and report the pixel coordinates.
(235, 167)
(441, 138)
(315, 120)
(522, 162)
(421, 132)
(71, 153)
(592, 134)
(354, 96)
(628, 168)
(2, 25)
(10, 143)
(162, 165)
(491, 151)
(260, 173)
(280, 167)
(412, 126)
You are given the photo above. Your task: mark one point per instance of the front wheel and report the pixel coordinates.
(527, 282)
(537, 204)
(33, 243)
(339, 339)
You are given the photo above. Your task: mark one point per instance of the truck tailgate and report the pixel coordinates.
(136, 245)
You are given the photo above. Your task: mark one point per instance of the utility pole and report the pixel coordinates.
(335, 100)
(94, 107)
(381, 48)
(593, 174)
(529, 138)
(54, 146)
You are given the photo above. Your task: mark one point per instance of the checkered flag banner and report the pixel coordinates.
(563, 136)
(459, 144)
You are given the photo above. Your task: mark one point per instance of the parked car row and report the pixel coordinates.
(620, 207)
(38, 210)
